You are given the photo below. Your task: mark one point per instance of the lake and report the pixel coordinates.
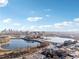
(20, 43)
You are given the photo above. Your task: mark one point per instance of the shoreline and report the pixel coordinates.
(25, 51)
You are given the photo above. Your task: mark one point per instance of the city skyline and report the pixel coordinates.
(39, 15)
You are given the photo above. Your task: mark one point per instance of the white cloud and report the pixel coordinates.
(10, 23)
(45, 26)
(34, 19)
(58, 26)
(39, 28)
(7, 21)
(76, 20)
(33, 28)
(3, 3)
(63, 25)
(16, 24)
(73, 29)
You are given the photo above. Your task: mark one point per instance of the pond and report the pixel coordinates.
(20, 43)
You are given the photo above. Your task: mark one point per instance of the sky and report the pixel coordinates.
(39, 15)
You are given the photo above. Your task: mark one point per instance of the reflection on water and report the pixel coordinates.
(20, 43)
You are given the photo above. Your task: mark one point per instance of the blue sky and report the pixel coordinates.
(39, 15)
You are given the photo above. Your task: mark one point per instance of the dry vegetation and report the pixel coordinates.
(24, 51)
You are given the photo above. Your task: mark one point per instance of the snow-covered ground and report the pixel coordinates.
(57, 39)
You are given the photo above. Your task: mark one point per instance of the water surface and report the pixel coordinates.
(20, 43)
